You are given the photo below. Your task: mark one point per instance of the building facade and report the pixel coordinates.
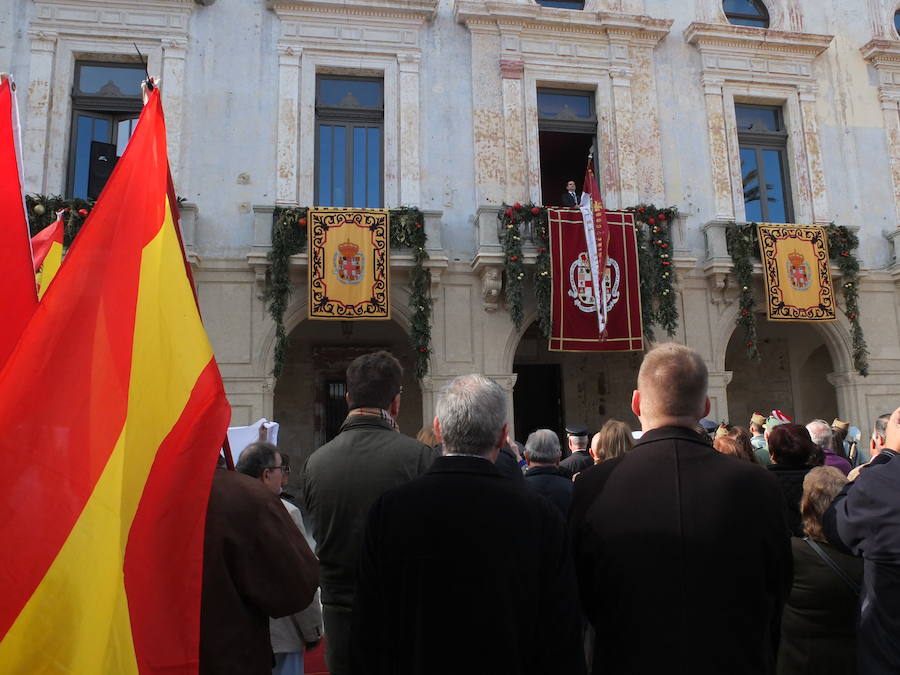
(749, 110)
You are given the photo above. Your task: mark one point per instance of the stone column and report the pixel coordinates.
(410, 175)
(511, 71)
(646, 122)
(508, 383)
(890, 110)
(174, 53)
(814, 164)
(36, 118)
(851, 399)
(487, 116)
(718, 147)
(718, 395)
(623, 114)
(287, 131)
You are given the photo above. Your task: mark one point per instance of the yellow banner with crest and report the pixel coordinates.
(348, 264)
(796, 272)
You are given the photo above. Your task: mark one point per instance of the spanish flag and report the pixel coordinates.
(47, 249)
(113, 412)
(18, 295)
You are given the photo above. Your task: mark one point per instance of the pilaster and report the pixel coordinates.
(37, 118)
(288, 120)
(410, 171)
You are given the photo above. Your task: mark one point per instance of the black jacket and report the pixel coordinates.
(790, 479)
(550, 483)
(463, 571)
(577, 461)
(865, 519)
(683, 559)
(566, 199)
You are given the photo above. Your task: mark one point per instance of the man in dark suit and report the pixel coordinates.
(683, 555)
(580, 459)
(571, 197)
(543, 475)
(462, 570)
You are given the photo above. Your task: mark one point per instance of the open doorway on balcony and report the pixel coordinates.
(567, 129)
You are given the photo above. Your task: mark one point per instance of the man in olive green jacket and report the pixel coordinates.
(344, 477)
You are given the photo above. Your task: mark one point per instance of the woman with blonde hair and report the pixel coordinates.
(613, 440)
(818, 627)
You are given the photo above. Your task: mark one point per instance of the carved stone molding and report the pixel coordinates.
(512, 69)
(400, 9)
(491, 285)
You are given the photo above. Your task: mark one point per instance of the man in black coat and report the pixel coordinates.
(462, 570)
(571, 197)
(683, 555)
(580, 459)
(864, 519)
(542, 454)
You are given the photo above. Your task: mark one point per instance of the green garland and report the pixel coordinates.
(407, 230)
(657, 275)
(42, 213)
(743, 245)
(659, 304)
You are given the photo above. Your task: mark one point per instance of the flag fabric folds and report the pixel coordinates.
(19, 294)
(348, 264)
(113, 413)
(47, 248)
(596, 234)
(797, 273)
(574, 295)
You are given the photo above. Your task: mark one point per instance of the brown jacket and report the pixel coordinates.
(256, 564)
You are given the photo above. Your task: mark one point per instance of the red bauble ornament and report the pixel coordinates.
(744, 312)
(651, 221)
(517, 206)
(665, 262)
(749, 344)
(423, 349)
(851, 316)
(664, 246)
(302, 222)
(83, 213)
(661, 216)
(514, 258)
(535, 210)
(640, 209)
(509, 213)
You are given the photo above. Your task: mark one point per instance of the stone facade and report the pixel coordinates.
(461, 137)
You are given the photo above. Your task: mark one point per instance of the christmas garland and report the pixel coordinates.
(743, 245)
(407, 230)
(657, 276)
(42, 213)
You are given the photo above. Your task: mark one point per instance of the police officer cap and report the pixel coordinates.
(576, 430)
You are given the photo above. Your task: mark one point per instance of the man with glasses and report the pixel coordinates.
(289, 634)
(345, 476)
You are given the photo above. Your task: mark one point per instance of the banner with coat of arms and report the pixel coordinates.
(348, 264)
(575, 295)
(797, 273)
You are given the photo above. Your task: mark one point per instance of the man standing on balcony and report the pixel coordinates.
(571, 197)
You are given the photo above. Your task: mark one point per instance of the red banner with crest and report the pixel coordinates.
(574, 296)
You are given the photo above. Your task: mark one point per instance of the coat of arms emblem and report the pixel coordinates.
(581, 283)
(349, 263)
(798, 272)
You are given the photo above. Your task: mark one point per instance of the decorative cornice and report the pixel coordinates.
(422, 10)
(882, 52)
(762, 41)
(534, 17)
(112, 18)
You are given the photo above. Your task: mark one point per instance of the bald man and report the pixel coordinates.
(675, 540)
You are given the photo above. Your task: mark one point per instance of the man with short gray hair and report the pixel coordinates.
(821, 434)
(675, 540)
(464, 549)
(542, 453)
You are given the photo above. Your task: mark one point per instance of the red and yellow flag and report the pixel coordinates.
(18, 296)
(113, 412)
(47, 249)
(596, 234)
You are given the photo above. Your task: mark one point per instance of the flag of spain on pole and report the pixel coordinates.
(112, 412)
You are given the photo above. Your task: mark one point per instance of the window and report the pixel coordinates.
(567, 128)
(563, 4)
(106, 102)
(746, 13)
(763, 144)
(349, 141)
(897, 21)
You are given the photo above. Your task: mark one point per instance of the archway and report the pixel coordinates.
(558, 388)
(791, 376)
(308, 395)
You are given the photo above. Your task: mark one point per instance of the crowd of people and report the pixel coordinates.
(683, 547)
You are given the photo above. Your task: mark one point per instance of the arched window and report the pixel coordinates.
(746, 13)
(897, 21)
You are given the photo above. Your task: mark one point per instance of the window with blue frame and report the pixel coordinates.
(764, 171)
(897, 21)
(562, 4)
(349, 141)
(106, 103)
(746, 13)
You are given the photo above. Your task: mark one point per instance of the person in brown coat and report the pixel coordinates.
(256, 564)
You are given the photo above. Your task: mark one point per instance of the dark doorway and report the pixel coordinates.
(537, 398)
(335, 407)
(564, 157)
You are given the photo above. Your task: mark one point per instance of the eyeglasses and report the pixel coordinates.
(286, 470)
